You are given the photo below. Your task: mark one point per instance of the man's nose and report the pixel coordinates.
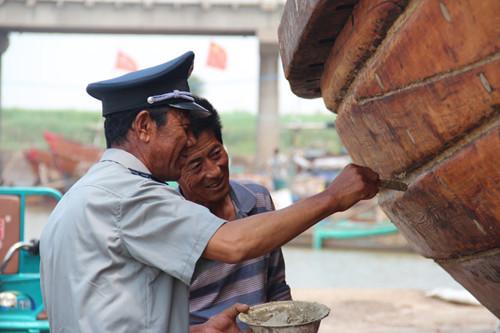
(213, 169)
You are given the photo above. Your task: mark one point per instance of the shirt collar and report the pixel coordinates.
(243, 198)
(124, 158)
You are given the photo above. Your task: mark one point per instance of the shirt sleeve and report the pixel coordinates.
(161, 229)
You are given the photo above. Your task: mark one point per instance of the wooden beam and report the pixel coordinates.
(307, 32)
(430, 43)
(401, 131)
(357, 41)
(452, 209)
(480, 274)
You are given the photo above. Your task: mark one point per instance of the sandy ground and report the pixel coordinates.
(395, 311)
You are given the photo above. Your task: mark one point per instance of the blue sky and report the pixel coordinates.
(51, 71)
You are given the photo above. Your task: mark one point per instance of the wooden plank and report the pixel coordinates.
(355, 44)
(453, 209)
(306, 33)
(474, 175)
(438, 37)
(480, 275)
(400, 131)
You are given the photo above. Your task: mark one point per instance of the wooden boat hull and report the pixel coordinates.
(416, 88)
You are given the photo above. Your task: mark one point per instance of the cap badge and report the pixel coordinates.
(176, 94)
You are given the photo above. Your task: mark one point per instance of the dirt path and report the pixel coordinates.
(395, 311)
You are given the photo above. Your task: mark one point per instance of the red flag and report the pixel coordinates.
(125, 62)
(217, 56)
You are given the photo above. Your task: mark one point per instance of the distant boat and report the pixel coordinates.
(64, 162)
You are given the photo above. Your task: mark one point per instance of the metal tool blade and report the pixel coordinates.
(393, 185)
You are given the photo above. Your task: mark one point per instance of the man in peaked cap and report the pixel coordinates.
(120, 248)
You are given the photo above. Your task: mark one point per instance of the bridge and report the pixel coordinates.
(191, 17)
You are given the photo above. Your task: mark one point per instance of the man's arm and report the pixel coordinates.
(259, 234)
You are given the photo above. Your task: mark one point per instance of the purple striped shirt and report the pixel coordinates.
(216, 285)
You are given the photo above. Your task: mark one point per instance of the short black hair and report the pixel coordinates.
(117, 125)
(211, 123)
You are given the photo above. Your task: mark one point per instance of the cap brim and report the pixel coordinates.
(193, 107)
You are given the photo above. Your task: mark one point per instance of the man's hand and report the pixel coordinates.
(353, 184)
(224, 322)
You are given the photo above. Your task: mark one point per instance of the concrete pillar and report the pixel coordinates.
(4, 44)
(268, 125)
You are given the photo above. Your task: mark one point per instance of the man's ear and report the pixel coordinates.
(143, 126)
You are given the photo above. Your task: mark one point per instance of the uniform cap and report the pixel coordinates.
(162, 85)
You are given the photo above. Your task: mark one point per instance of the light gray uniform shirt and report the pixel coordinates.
(119, 250)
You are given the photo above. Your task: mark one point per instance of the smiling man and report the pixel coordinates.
(205, 180)
(119, 251)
